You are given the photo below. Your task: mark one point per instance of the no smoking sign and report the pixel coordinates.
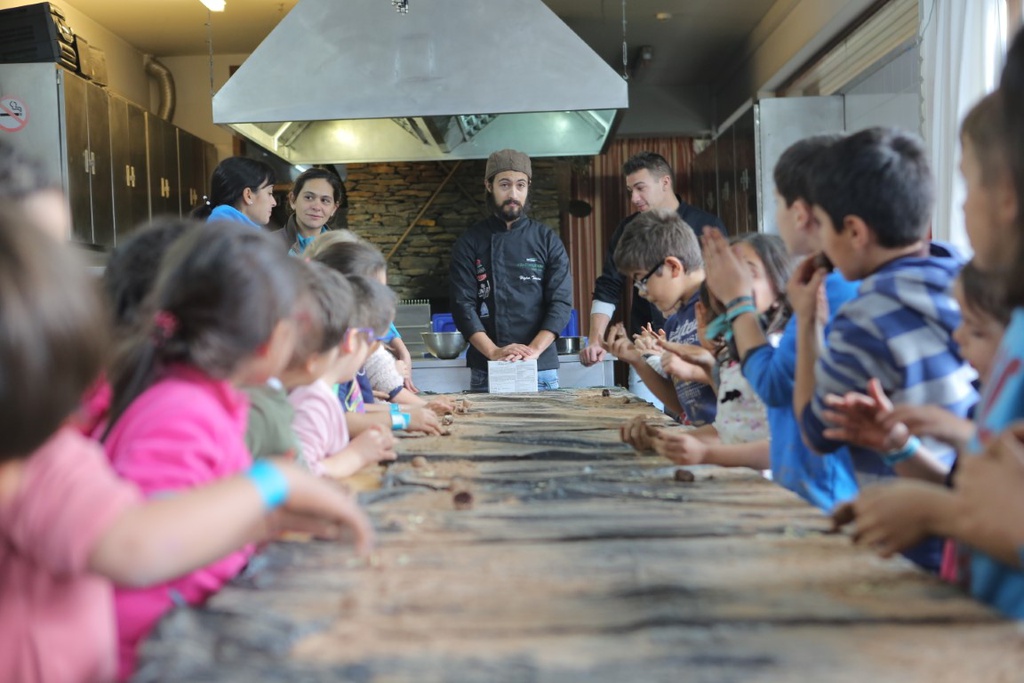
(13, 114)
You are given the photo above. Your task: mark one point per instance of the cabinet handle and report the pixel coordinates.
(133, 176)
(85, 160)
(92, 163)
(127, 175)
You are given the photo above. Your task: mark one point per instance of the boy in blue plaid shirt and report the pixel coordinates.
(873, 198)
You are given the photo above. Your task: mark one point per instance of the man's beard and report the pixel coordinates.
(511, 210)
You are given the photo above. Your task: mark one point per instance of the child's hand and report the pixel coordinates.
(680, 446)
(894, 516)
(692, 356)
(312, 497)
(637, 433)
(865, 420)
(425, 421)
(935, 422)
(617, 343)
(725, 276)
(804, 287)
(441, 406)
(647, 341)
(373, 446)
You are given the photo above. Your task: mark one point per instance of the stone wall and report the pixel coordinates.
(384, 197)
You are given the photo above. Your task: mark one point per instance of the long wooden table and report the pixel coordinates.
(578, 560)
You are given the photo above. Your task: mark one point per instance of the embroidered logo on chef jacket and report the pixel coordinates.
(534, 270)
(483, 290)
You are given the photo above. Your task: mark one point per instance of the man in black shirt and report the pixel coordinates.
(649, 181)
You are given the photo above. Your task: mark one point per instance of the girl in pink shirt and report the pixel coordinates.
(68, 525)
(218, 317)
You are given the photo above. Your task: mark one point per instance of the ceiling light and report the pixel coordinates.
(663, 16)
(214, 5)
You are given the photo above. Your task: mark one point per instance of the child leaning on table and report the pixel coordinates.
(873, 197)
(770, 368)
(363, 259)
(218, 318)
(740, 435)
(330, 350)
(983, 511)
(71, 527)
(660, 253)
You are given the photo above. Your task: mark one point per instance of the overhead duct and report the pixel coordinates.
(452, 79)
(165, 83)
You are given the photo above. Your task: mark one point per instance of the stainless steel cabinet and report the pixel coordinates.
(119, 165)
(162, 158)
(128, 153)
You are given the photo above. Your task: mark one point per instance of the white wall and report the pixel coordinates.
(194, 111)
(126, 74)
(889, 96)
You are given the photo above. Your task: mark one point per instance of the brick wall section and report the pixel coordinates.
(384, 198)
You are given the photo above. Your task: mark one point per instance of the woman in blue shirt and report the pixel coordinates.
(241, 190)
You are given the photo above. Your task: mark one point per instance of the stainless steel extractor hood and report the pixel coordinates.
(355, 81)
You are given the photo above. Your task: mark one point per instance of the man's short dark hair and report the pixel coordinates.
(880, 175)
(652, 237)
(655, 163)
(793, 170)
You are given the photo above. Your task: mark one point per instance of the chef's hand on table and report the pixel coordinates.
(512, 352)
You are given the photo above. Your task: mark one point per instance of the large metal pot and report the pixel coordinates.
(569, 345)
(445, 345)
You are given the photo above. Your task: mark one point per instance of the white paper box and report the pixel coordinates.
(512, 377)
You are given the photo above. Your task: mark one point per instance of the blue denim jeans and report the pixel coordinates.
(546, 380)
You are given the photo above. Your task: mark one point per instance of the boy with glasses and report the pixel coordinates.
(672, 285)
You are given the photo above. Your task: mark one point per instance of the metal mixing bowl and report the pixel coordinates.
(569, 345)
(445, 345)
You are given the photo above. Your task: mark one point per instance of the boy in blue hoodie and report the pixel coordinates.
(873, 197)
(822, 481)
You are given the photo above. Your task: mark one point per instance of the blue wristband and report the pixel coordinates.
(400, 421)
(745, 299)
(396, 408)
(270, 482)
(737, 312)
(893, 458)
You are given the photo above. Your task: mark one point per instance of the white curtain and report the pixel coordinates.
(963, 43)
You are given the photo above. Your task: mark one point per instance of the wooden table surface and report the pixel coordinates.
(581, 561)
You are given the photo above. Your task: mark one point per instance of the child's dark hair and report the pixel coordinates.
(374, 304)
(651, 161)
(793, 171)
(230, 179)
(330, 303)
(985, 127)
(53, 335)
(350, 258)
(880, 175)
(985, 293)
(133, 266)
(652, 237)
(221, 290)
